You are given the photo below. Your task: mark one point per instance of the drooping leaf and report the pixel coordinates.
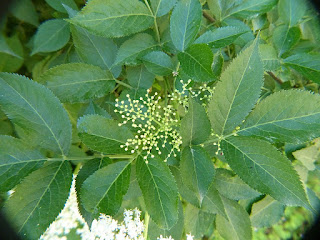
(237, 225)
(264, 168)
(102, 192)
(269, 57)
(139, 77)
(291, 11)
(221, 37)
(158, 63)
(195, 127)
(185, 23)
(266, 212)
(197, 170)
(95, 50)
(38, 200)
(284, 38)
(196, 62)
(25, 11)
(111, 18)
(284, 117)
(250, 8)
(38, 115)
(212, 202)
(237, 92)
(51, 36)
(134, 48)
(231, 186)
(58, 4)
(306, 64)
(78, 82)
(11, 53)
(162, 7)
(16, 161)
(102, 134)
(159, 191)
(86, 170)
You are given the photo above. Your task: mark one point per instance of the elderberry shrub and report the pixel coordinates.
(201, 115)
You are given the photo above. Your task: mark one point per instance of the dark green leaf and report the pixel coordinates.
(57, 4)
(266, 212)
(11, 54)
(38, 200)
(162, 7)
(102, 134)
(284, 38)
(140, 77)
(212, 202)
(197, 170)
(134, 48)
(16, 161)
(237, 225)
(37, 114)
(197, 61)
(102, 192)
(237, 92)
(219, 8)
(185, 23)
(291, 11)
(94, 108)
(158, 63)
(111, 18)
(285, 117)
(264, 168)
(51, 36)
(306, 64)
(78, 82)
(159, 191)
(25, 11)
(231, 186)
(221, 37)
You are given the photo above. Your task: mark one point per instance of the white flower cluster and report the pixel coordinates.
(189, 237)
(156, 125)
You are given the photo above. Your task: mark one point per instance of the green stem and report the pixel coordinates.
(123, 84)
(154, 20)
(146, 225)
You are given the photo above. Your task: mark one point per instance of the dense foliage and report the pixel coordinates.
(203, 114)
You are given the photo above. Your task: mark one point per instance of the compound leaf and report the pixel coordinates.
(237, 92)
(39, 198)
(78, 82)
(159, 191)
(37, 114)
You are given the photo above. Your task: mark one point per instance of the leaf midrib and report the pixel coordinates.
(201, 65)
(114, 17)
(79, 82)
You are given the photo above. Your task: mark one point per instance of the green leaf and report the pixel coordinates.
(16, 161)
(250, 8)
(212, 202)
(102, 134)
(197, 61)
(264, 168)
(306, 64)
(309, 155)
(38, 115)
(134, 48)
(94, 108)
(185, 23)
(102, 192)
(25, 11)
(284, 38)
(231, 186)
(38, 200)
(266, 212)
(219, 8)
(51, 36)
(139, 77)
(237, 225)
(195, 126)
(269, 57)
(57, 4)
(291, 11)
(196, 221)
(221, 37)
(86, 170)
(158, 63)
(111, 18)
(237, 92)
(11, 53)
(285, 117)
(78, 82)
(197, 170)
(162, 7)
(95, 50)
(159, 191)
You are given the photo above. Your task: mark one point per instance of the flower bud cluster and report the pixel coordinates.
(155, 124)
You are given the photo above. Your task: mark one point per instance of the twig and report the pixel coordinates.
(208, 17)
(278, 80)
